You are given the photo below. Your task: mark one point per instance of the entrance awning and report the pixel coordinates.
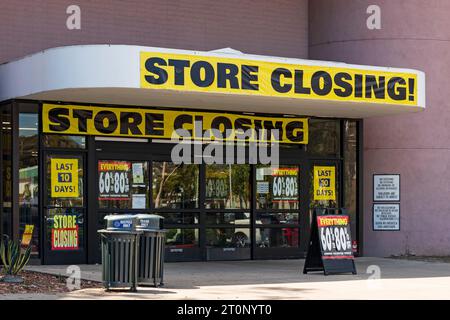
(216, 80)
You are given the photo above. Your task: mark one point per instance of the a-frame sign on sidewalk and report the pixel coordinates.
(330, 245)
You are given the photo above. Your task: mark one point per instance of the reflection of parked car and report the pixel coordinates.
(264, 236)
(291, 236)
(241, 237)
(176, 238)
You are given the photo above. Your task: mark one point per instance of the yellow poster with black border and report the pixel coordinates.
(324, 183)
(64, 178)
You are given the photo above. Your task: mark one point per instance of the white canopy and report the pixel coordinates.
(110, 74)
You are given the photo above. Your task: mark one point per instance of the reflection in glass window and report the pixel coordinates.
(228, 238)
(227, 186)
(227, 218)
(179, 217)
(6, 227)
(350, 172)
(277, 237)
(182, 238)
(324, 137)
(123, 184)
(277, 187)
(175, 185)
(28, 176)
(277, 218)
(64, 141)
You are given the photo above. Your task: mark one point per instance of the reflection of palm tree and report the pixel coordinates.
(26, 196)
(164, 178)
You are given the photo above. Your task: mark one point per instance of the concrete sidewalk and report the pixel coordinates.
(276, 279)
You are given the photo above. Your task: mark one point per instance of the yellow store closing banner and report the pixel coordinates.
(64, 178)
(162, 124)
(324, 183)
(196, 73)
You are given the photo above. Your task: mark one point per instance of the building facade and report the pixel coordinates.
(89, 103)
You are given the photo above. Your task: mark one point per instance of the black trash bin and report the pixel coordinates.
(151, 249)
(120, 245)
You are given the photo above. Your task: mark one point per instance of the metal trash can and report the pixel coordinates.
(120, 245)
(151, 249)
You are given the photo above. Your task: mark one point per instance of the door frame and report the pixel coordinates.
(102, 150)
(297, 157)
(62, 257)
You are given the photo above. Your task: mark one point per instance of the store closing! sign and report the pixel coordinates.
(163, 124)
(324, 183)
(64, 178)
(65, 232)
(254, 77)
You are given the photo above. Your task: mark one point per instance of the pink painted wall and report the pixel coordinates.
(414, 34)
(264, 27)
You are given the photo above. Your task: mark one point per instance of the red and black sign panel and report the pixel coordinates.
(330, 247)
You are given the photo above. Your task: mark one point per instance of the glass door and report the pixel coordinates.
(227, 203)
(278, 211)
(121, 187)
(176, 197)
(64, 208)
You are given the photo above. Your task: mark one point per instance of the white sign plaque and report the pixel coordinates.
(386, 187)
(386, 217)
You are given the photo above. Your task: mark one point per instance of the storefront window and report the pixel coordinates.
(6, 170)
(123, 184)
(179, 217)
(277, 237)
(64, 141)
(228, 238)
(182, 238)
(228, 218)
(277, 187)
(324, 137)
(28, 176)
(227, 186)
(175, 186)
(277, 218)
(350, 172)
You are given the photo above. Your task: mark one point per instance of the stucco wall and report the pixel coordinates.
(260, 27)
(414, 34)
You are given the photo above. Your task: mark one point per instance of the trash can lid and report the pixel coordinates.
(118, 217)
(149, 221)
(148, 216)
(120, 222)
